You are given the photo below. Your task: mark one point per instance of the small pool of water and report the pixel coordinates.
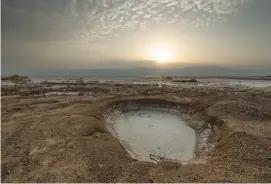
(154, 133)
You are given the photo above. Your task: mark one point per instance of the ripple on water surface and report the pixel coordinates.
(165, 135)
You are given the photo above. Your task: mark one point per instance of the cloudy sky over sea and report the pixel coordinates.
(67, 34)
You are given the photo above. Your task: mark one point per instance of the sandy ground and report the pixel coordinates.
(63, 138)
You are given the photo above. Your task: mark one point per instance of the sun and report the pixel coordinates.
(161, 54)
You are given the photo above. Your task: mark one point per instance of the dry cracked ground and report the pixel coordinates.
(63, 138)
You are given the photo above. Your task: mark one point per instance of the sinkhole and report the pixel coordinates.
(156, 132)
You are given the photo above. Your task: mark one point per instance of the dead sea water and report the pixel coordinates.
(158, 133)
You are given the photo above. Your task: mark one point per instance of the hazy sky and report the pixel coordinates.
(80, 34)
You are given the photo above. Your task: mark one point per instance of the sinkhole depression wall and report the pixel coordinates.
(159, 130)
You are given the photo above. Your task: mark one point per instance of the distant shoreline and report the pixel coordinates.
(181, 77)
(267, 78)
(232, 77)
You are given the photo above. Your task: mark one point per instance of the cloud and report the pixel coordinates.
(95, 20)
(132, 13)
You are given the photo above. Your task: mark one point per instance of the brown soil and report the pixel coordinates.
(62, 138)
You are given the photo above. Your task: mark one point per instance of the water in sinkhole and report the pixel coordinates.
(148, 134)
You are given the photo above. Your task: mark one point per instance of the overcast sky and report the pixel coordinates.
(80, 34)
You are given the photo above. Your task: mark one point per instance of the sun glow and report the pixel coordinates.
(161, 54)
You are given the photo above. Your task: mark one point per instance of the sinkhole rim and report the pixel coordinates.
(203, 130)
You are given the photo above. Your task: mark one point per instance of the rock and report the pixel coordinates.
(16, 78)
(97, 135)
(188, 80)
(155, 158)
(193, 80)
(168, 78)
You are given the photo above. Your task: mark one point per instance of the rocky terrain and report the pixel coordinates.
(15, 78)
(57, 133)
